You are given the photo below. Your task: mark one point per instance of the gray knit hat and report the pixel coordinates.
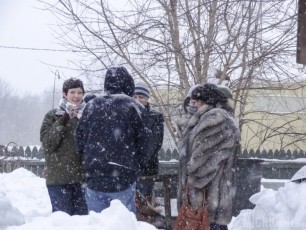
(142, 88)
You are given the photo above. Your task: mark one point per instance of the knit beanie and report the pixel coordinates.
(142, 88)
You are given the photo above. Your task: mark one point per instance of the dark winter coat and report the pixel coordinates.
(154, 121)
(207, 156)
(112, 137)
(62, 161)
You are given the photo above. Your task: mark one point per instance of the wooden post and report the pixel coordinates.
(301, 33)
(167, 201)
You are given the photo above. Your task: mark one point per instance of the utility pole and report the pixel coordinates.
(56, 74)
(301, 33)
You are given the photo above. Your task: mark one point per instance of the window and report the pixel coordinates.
(279, 104)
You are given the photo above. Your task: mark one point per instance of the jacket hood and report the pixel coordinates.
(118, 80)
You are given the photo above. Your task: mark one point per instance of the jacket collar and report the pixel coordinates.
(193, 121)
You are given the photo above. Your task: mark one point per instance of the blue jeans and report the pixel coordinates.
(68, 198)
(98, 201)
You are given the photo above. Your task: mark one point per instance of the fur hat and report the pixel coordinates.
(226, 91)
(118, 80)
(142, 88)
(72, 83)
(209, 94)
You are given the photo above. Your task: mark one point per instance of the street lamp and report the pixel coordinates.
(56, 74)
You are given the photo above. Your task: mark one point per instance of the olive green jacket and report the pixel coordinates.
(64, 164)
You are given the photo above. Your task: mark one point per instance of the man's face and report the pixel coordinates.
(192, 102)
(141, 99)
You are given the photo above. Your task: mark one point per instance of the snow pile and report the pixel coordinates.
(117, 217)
(25, 205)
(284, 209)
(27, 192)
(8, 214)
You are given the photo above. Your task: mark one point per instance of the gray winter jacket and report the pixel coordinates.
(207, 156)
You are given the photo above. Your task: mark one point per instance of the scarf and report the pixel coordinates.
(65, 106)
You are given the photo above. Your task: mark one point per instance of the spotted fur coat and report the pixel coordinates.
(207, 154)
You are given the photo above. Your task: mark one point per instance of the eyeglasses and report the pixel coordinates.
(139, 96)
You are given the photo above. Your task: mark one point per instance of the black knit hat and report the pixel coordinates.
(209, 94)
(118, 80)
(72, 83)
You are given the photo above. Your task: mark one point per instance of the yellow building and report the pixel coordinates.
(275, 118)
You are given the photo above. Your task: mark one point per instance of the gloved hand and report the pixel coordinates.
(64, 119)
(71, 109)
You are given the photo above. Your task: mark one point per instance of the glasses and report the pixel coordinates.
(139, 96)
(192, 102)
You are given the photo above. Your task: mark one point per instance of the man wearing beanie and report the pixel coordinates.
(154, 121)
(112, 138)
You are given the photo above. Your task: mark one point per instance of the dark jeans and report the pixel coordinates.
(218, 227)
(68, 198)
(145, 186)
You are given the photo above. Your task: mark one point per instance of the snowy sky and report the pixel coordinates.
(25, 205)
(23, 24)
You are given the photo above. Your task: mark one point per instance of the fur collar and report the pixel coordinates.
(192, 122)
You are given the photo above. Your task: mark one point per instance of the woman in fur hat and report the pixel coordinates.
(207, 155)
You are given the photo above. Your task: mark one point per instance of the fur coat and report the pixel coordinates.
(207, 155)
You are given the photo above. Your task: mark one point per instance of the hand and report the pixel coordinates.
(74, 111)
(71, 109)
(191, 110)
(45, 172)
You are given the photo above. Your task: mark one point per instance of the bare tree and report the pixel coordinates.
(173, 44)
(21, 116)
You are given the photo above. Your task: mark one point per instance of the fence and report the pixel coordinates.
(15, 157)
(165, 155)
(32, 158)
(251, 167)
(22, 152)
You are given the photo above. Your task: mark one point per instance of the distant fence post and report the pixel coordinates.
(28, 152)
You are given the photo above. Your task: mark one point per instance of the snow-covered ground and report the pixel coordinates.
(25, 205)
(24, 202)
